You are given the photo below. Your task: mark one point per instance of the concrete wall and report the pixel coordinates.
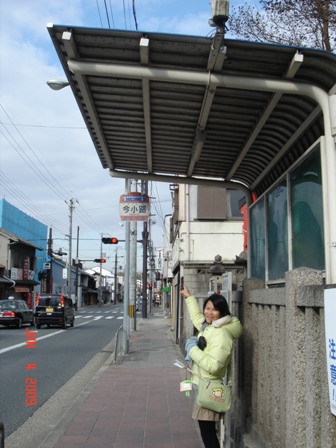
(281, 381)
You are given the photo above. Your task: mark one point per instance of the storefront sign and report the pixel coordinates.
(25, 268)
(21, 289)
(159, 259)
(16, 274)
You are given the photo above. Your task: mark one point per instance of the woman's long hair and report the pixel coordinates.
(220, 304)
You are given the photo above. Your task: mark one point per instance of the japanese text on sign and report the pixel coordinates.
(134, 207)
(330, 331)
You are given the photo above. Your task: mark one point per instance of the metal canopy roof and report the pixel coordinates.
(193, 106)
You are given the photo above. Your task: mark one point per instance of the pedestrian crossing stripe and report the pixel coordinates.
(101, 316)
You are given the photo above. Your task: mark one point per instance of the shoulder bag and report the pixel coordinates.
(214, 395)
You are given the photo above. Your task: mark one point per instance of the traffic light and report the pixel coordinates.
(99, 260)
(112, 240)
(150, 286)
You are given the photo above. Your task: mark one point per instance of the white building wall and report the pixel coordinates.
(208, 239)
(203, 240)
(4, 250)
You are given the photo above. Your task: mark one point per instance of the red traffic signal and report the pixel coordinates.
(112, 240)
(99, 260)
(150, 286)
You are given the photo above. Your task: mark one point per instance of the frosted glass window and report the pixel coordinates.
(258, 240)
(277, 232)
(307, 214)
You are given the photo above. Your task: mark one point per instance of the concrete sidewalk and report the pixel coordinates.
(137, 402)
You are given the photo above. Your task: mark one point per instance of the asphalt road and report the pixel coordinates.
(55, 356)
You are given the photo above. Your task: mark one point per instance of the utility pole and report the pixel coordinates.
(100, 272)
(49, 271)
(77, 263)
(71, 205)
(151, 265)
(133, 261)
(126, 321)
(144, 259)
(115, 277)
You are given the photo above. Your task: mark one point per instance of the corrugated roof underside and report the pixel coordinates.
(175, 108)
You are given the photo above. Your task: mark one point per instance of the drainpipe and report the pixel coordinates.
(4, 276)
(10, 281)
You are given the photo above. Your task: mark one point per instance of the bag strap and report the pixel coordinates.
(229, 373)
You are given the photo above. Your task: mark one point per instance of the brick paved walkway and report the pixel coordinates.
(137, 403)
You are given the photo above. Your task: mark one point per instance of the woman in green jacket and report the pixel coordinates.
(212, 357)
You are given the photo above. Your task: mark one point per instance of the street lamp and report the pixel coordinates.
(220, 13)
(57, 84)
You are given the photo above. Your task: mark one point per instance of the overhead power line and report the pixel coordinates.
(112, 14)
(107, 14)
(101, 22)
(44, 126)
(44, 175)
(125, 14)
(134, 14)
(57, 188)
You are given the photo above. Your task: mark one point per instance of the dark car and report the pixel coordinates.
(54, 309)
(15, 312)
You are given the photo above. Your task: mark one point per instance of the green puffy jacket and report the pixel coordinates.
(211, 363)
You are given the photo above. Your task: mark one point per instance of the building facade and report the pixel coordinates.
(24, 226)
(18, 260)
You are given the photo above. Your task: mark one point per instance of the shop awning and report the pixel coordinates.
(26, 283)
(5, 280)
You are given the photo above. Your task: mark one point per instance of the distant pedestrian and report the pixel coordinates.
(210, 355)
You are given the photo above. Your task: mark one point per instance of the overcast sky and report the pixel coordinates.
(47, 156)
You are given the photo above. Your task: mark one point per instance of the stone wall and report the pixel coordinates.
(281, 382)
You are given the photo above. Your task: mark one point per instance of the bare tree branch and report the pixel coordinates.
(306, 23)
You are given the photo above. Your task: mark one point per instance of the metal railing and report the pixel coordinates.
(118, 343)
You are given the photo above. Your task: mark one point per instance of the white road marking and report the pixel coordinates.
(98, 317)
(8, 349)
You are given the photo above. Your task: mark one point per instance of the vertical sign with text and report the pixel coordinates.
(330, 332)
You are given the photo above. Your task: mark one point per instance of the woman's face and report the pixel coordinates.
(210, 313)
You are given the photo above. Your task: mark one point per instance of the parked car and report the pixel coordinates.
(54, 309)
(16, 312)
